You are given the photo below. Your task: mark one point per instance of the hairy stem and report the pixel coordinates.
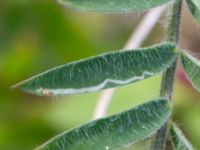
(167, 84)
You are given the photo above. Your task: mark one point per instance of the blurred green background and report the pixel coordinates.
(35, 36)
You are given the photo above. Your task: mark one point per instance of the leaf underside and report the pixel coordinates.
(192, 69)
(115, 131)
(178, 140)
(113, 6)
(100, 72)
(194, 7)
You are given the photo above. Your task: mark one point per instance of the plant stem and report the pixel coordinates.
(173, 36)
(167, 84)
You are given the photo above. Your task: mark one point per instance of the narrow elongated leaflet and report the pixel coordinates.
(113, 5)
(194, 7)
(178, 140)
(192, 68)
(100, 72)
(115, 131)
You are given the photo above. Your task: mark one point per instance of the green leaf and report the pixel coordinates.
(115, 131)
(100, 72)
(194, 7)
(192, 68)
(113, 6)
(179, 141)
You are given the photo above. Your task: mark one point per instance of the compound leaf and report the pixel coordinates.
(192, 68)
(194, 7)
(178, 140)
(115, 131)
(113, 5)
(100, 72)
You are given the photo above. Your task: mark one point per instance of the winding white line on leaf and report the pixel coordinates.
(137, 38)
(55, 92)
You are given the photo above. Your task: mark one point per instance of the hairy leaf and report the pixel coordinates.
(100, 72)
(115, 131)
(178, 140)
(192, 68)
(113, 5)
(194, 7)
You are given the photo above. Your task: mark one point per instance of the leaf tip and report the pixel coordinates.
(15, 86)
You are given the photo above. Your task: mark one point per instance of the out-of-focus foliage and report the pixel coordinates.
(113, 6)
(179, 141)
(37, 35)
(194, 6)
(192, 68)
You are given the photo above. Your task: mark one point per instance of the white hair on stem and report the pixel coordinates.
(137, 38)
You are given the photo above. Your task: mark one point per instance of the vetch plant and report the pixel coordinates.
(119, 68)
